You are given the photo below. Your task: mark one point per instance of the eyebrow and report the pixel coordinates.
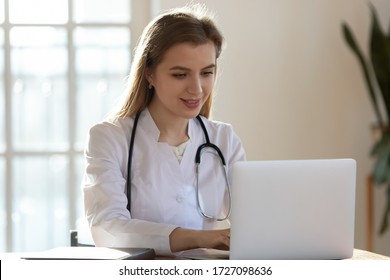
(188, 69)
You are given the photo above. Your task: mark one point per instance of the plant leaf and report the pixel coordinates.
(349, 38)
(382, 166)
(381, 144)
(380, 58)
(386, 214)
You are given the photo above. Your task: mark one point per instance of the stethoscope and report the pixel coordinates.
(207, 144)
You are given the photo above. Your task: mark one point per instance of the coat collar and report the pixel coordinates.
(147, 122)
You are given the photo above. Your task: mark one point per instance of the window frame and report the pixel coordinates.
(140, 12)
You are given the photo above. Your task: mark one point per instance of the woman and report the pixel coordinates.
(175, 205)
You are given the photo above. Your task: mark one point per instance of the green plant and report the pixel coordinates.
(376, 70)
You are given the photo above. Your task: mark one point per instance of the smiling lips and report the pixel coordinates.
(191, 103)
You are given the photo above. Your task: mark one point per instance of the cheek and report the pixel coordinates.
(168, 86)
(208, 86)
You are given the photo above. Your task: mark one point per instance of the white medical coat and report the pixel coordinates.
(163, 190)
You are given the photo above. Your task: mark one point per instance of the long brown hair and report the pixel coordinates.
(189, 24)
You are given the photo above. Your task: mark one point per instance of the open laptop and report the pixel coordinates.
(293, 209)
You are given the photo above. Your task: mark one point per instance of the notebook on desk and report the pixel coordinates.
(293, 209)
(91, 253)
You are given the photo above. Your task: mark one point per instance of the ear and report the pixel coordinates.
(149, 75)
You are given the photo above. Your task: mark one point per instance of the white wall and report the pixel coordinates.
(292, 88)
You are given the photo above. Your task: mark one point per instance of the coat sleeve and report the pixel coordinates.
(105, 200)
(235, 152)
(224, 136)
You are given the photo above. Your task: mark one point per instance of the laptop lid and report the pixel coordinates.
(293, 209)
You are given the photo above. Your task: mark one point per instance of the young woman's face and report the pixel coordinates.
(184, 79)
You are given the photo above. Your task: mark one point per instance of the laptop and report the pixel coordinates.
(293, 209)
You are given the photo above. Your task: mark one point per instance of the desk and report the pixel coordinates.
(366, 255)
(358, 254)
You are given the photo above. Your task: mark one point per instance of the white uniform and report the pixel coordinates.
(163, 189)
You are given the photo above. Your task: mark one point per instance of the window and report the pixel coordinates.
(63, 65)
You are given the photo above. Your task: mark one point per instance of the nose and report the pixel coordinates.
(195, 86)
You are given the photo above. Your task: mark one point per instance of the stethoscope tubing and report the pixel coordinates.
(208, 144)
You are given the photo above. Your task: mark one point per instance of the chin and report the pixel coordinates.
(190, 115)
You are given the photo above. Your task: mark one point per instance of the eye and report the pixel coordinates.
(179, 75)
(208, 73)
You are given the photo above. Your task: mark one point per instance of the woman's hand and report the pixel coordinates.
(184, 239)
(216, 239)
